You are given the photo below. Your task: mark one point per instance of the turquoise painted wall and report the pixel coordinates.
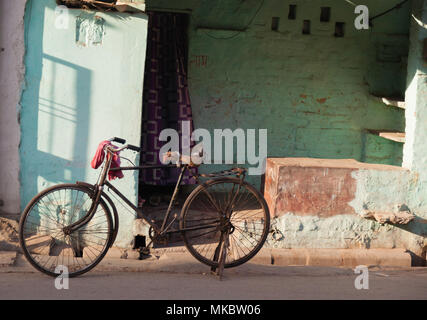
(312, 92)
(82, 85)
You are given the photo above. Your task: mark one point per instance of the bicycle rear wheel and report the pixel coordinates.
(43, 241)
(220, 207)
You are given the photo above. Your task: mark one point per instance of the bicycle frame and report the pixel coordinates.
(99, 188)
(158, 230)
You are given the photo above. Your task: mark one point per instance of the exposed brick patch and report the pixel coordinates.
(307, 186)
(315, 191)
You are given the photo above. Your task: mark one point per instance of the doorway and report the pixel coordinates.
(166, 104)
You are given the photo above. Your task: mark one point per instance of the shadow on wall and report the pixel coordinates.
(54, 120)
(417, 227)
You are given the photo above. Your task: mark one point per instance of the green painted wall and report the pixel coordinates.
(312, 92)
(77, 95)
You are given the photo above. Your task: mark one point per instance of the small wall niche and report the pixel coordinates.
(306, 27)
(339, 29)
(292, 15)
(325, 14)
(275, 23)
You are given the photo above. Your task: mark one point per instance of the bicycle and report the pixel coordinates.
(224, 221)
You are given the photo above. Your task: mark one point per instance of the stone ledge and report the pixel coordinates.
(315, 187)
(341, 257)
(7, 258)
(331, 163)
(298, 256)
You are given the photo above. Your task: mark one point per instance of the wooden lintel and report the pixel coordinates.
(390, 135)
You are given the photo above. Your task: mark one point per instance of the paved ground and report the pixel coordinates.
(246, 282)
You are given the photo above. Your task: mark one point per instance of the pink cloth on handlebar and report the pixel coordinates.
(99, 158)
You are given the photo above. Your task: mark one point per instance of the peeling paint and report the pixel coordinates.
(12, 80)
(344, 231)
(321, 100)
(380, 190)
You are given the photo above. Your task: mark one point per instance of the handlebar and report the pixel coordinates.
(127, 146)
(174, 157)
(119, 140)
(134, 148)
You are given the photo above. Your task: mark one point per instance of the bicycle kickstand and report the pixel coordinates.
(218, 271)
(144, 252)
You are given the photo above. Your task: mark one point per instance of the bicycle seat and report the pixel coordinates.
(176, 158)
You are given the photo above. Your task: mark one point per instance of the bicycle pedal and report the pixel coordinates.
(144, 253)
(144, 256)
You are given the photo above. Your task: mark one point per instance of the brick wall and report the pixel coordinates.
(311, 91)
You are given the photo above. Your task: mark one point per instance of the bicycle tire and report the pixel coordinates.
(191, 216)
(77, 246)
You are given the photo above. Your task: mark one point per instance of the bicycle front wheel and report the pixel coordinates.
(221, 207)
(44, 243)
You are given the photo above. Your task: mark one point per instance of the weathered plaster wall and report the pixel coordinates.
(318, 203)
(312, 92)
(377, 189)
(415, 150)
(384, 191)
(11, 78)
(380, 190)
(344, 231)
(329, 187)
(415, 156)
(83, 84)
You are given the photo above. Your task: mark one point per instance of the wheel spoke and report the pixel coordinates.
(45, 243)
(247, 225)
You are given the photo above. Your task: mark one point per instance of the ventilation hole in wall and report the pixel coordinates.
(325, 14)
(339, 29)
(292, 12)
(275, 23)
(306, 27)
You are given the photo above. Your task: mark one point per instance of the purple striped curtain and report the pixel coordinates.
(166, 99)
